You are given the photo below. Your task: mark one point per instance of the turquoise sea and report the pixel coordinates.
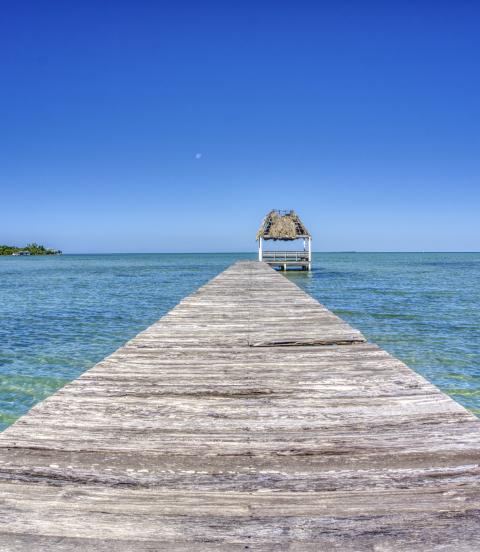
(61, 315)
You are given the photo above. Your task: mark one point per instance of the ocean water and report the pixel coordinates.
(61, 315)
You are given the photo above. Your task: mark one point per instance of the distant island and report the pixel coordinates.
(30, 249)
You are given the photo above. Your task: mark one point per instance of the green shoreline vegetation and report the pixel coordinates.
(29, 249)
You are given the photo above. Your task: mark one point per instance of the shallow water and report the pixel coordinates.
(61, 315)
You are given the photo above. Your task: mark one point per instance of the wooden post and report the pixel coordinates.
(260, 249)
(309, 253)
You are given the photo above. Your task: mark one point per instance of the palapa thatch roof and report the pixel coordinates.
(282, 225)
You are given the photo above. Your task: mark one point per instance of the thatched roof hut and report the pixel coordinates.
(282, 225)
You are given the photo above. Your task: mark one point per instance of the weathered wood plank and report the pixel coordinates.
(249, 416)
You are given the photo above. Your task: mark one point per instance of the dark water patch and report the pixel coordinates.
(345, 312)
(452, 264)
(396, 316)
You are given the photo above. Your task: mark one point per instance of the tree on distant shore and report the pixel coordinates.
(32, 248)
(35, 249)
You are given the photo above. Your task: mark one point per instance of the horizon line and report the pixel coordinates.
(245, 252)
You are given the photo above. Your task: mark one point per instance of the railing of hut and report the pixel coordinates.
(284, 256)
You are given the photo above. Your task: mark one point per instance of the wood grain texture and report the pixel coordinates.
(249, 417)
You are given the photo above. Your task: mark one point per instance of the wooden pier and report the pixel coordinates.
(248, 418)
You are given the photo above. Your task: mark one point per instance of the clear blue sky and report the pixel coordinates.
(175, 126)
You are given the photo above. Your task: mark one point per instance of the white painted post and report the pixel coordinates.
(309, 253)
(260, 249)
